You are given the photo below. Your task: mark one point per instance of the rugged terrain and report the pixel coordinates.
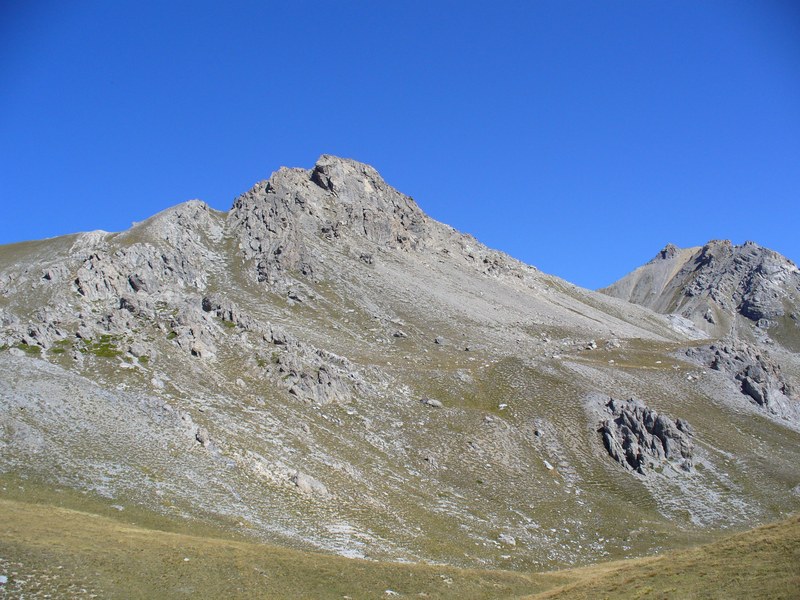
(746, 296)
(745, 291)
(324, 367)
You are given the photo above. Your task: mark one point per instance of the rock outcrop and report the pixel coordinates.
(641, 440)
(757, 374)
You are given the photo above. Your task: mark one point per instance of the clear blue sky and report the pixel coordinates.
(580, 137)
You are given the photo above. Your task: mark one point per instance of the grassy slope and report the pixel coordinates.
(761, 563)
(49, 549)
(116, 560)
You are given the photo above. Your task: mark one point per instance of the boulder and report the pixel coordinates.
(309, 486)
(202, 437)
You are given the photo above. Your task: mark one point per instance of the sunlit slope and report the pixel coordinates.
(326, 368)
(66, 553)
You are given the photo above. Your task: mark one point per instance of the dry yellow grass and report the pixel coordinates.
(761, 563)
(117, 560)
(63, 552)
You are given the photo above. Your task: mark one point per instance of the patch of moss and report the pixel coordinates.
(228, 324)
(143, 360)
(172, 335)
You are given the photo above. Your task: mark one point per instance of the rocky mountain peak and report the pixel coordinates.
(281, 221)
(714, 251)
(337, 175)
(722, 287)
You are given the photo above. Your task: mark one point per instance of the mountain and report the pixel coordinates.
(325, 367)
(746, 291)
(747, 296)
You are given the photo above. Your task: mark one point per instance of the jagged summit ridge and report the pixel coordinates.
(669, 251)
(717, 285)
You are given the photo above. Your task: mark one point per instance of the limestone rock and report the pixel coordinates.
(717, 279)
(640, 439)
(759, 376)
(202, 437)
(337, 199)
(308, 485)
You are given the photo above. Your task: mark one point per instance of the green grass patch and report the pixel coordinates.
(104, 347)
(762, 563)
(122, 560)
(30, 350)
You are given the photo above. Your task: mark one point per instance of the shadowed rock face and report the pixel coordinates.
(723, 288)
(640, 439)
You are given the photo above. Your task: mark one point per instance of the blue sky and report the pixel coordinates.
(580, 137)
